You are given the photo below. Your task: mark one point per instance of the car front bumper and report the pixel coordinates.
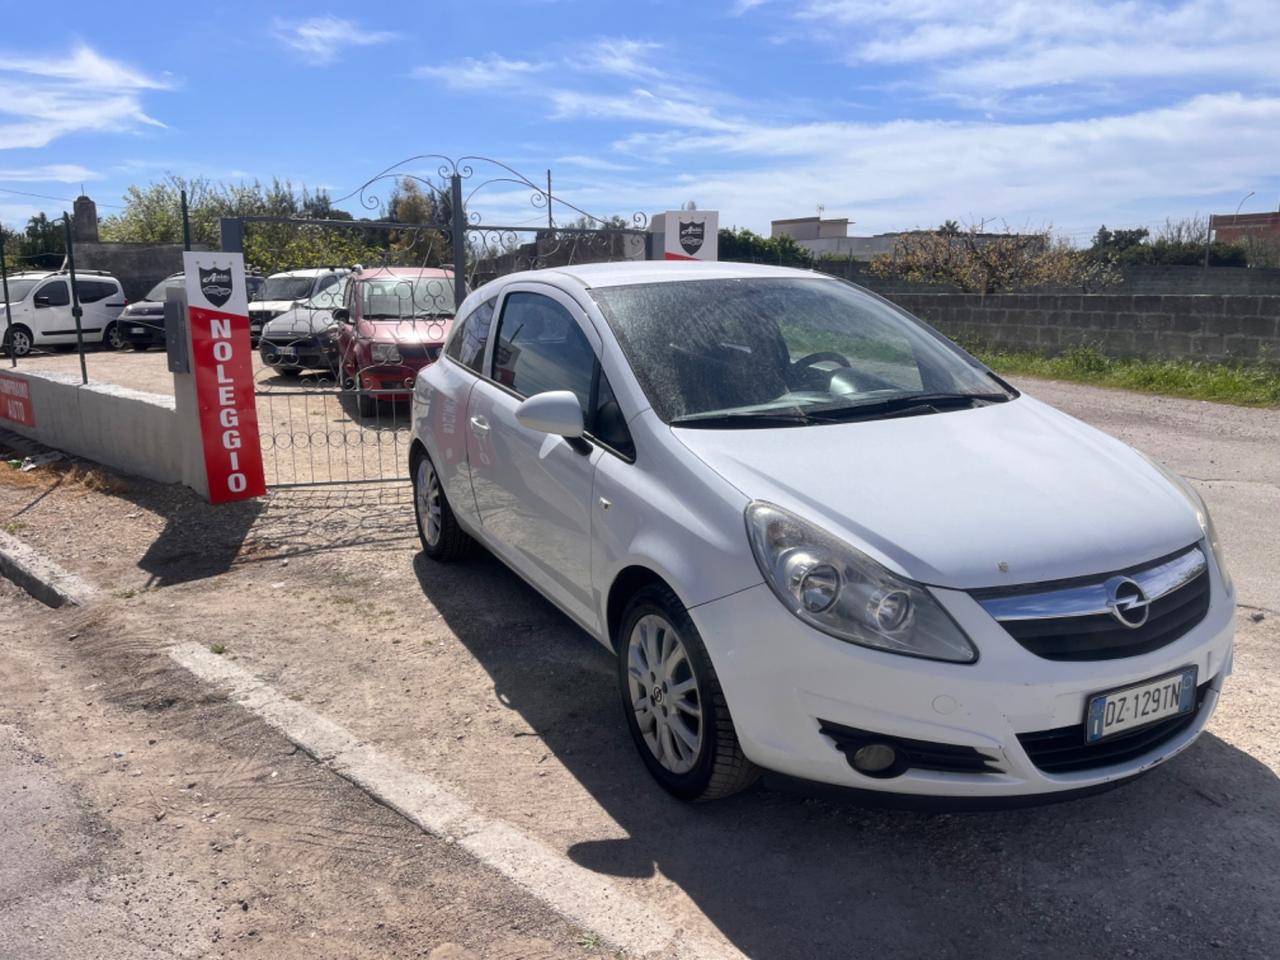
(783, 681)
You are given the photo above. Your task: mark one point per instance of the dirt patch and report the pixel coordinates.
(146, 815)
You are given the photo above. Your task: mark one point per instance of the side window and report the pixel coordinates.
(540, 347)
(91, 291)
(327, 281)
(58, 293)
(472, 338)
(608, 425)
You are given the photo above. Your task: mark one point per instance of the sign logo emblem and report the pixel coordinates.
(692, 234)
(215, 284)
(1127, 603)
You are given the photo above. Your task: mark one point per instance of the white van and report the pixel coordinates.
(40, 311)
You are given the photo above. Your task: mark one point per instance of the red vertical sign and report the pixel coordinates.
(222, 363)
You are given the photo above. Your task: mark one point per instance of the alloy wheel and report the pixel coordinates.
(428, 501)
(19, 343)
(664, 694)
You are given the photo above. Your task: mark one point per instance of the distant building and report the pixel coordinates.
(1260, 228)
(830, 239)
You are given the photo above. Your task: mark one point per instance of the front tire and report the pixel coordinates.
(674, 706)
(443, 540)
(18, 341)
(140, 347)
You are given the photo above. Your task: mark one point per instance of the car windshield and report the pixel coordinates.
(18, 289)
(398, 298)
(286, 288)
(158, 293)
(329, 298)
(782, 351)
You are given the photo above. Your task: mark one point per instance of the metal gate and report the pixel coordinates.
(332, 394)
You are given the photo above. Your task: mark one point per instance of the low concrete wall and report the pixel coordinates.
(1217, 328)
(134, 432)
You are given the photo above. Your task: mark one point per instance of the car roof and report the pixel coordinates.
(309, 272)
(373, 272)
(49, 274)
(595, 275)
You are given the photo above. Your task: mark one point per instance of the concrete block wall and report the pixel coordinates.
(134, 432)
(1183, 326)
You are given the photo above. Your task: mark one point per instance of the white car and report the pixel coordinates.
(284, 291)
(822, 539)
(40, 311)
(304, 337)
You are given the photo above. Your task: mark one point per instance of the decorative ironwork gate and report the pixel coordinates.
(339, 343)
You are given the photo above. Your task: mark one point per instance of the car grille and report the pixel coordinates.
(919, 754)
(1071, 621)
(419, 351)
(1065, 749)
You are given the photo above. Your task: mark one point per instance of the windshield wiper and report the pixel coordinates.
(735, 421)
(910, 405)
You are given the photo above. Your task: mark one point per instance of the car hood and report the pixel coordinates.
(274, 306)
(299, 322)
(421, 330)
(1010, 493)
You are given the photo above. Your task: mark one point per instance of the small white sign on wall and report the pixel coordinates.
(691, 235)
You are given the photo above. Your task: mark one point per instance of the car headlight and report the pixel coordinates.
(843, 592)
(386, 353)
(1202, 516)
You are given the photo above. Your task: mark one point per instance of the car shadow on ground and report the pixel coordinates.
(1179, 862)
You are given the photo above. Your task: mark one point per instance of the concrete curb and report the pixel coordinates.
(41, 577)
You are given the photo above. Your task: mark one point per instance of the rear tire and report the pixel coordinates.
(674, 706)
(442, 539)
(113, 337)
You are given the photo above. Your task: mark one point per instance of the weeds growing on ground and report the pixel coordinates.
(1251, 386)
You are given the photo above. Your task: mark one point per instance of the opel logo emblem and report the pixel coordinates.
(1127, 602)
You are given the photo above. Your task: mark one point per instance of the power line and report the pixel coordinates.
(44, 196)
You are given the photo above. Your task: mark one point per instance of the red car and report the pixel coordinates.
(394, 323)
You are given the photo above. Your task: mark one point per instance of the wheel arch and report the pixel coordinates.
(628, 581)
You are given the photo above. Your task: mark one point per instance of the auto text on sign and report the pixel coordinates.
(15, 400)
(221, 361)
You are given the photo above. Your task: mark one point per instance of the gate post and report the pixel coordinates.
(458, 225)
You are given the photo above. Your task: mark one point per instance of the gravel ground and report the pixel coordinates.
(466, 673)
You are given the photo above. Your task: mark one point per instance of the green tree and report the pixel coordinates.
(745, 246)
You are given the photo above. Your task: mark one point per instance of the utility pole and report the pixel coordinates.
(550, 221)
(186, 223)
(76, 311)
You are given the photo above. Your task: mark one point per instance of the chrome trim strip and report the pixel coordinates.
(1091, 599)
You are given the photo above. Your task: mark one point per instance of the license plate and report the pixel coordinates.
(137, 329)
(1122, 710)
(289, 353)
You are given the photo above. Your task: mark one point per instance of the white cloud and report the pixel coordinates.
(50, 173)
(321, 39)
(618, 56)
(1080, 49)
(489, 73)
(46, 97)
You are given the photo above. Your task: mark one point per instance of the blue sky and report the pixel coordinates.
(894, 114)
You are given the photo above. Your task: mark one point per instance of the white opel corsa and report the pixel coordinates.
(822, 540)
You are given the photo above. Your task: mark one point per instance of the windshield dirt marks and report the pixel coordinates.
(172, 820)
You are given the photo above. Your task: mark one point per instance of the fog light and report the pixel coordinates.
(874, 758)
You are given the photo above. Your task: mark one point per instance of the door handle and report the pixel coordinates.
(479, 425)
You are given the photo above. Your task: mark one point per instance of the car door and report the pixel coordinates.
(51, 316)
(532, 489)
(100, 302)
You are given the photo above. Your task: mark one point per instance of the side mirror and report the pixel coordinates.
(557, 412)
(341, 315)
(42, 300)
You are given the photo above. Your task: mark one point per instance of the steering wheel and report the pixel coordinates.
(820, 356)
